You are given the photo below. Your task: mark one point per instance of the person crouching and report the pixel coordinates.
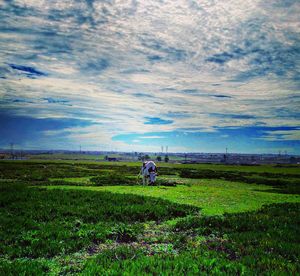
(149, 172)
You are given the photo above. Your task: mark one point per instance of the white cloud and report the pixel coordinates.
(152, 137)
(103, 57)
(282, 135)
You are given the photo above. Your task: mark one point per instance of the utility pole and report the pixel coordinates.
(80, 149)
(12, 150)
(225, 155)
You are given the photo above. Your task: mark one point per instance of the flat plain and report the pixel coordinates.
(86, 217)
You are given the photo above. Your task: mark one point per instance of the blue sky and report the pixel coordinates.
(198, 76)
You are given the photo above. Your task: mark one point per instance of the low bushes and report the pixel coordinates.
(112, 179)
(286, 183)
(37, 222)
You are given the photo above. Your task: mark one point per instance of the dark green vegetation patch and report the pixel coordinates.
(285, 183)
(98, 174)
(112, 179)
(104, 174)
(36, 222)
(251, 243)
(68, 230)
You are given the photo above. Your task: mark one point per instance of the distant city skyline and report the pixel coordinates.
(196, 76)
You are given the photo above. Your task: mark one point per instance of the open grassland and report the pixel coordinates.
(214, 197)
(87, 156)
(280, 169)
(64, 156)
(94, 218)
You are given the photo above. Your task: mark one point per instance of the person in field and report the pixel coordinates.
(148, 172)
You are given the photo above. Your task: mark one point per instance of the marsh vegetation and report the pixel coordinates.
(95, 218)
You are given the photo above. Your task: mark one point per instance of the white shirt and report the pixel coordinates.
(149, 165)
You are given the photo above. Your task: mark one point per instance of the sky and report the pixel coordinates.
(196, 76)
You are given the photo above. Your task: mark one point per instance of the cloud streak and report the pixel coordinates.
(150, 66)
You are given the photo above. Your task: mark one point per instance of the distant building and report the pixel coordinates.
(4, 156)
(112, 159)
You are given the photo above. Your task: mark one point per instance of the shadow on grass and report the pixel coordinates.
(292, 190)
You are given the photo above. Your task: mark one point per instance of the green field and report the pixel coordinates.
(85, 217)
(214, 197)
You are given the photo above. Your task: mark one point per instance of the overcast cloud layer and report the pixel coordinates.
(134, 75)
